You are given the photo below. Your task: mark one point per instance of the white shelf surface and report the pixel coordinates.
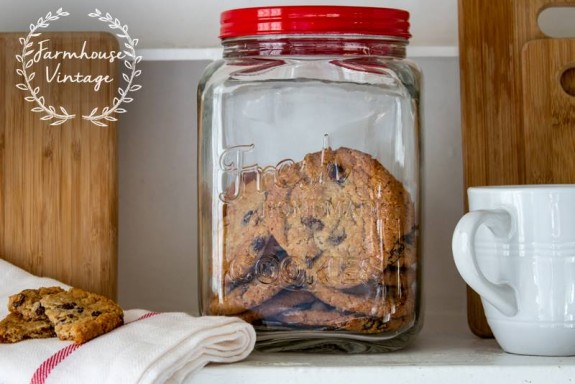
(445, 352)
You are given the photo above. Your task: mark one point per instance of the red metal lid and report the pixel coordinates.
(314, 19)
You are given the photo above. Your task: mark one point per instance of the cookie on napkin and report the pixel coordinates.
(74, 315)
(79, 316)
(27, 303)
(14, 328)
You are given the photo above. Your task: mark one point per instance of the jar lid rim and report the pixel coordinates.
(314, 19)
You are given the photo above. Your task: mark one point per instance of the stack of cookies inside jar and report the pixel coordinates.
(325, 243)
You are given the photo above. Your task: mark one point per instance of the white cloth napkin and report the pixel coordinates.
(149, 348)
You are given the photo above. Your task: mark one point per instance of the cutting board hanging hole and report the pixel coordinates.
(557, 22)
(568, 81)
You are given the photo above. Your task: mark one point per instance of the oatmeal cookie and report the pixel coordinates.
(79, 316)
(261, 282)
(27, 302)
(14, 328)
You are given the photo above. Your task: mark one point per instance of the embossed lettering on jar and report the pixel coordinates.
(309, 178)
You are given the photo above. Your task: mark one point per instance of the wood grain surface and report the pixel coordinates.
(549, 111)
(498, 146)
(58, 184)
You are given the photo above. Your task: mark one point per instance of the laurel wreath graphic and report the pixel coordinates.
(130, 63)
(49, 110)
(94, 117)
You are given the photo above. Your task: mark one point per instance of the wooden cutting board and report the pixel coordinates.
(58, 183)
(549, 110)
(501, 143)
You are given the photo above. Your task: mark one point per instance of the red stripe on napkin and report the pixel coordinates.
(49, 364)
(147, 315)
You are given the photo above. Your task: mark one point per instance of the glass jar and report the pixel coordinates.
(309, 178)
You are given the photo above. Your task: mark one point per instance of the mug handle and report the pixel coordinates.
(501, 296)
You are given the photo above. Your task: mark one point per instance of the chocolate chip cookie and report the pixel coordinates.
(284, 301)
(315, 314)
(329, 244)
(245, 231)
(340, 321)
(392, 296)
(352, 215)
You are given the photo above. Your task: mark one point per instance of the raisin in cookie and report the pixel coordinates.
(27, 302)
(14, 328)
(79, 316)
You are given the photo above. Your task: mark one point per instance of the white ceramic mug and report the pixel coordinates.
(516, 249)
